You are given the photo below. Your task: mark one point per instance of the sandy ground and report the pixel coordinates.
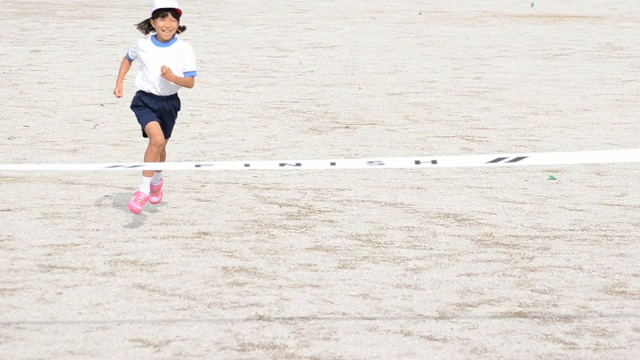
(372, 264)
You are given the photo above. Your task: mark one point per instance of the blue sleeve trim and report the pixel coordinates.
(128, 58)
(190, 74)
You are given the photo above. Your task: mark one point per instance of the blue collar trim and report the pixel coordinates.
(159, 43)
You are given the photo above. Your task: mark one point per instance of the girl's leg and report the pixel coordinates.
(154, 153)
(155, 190)
(156, 149)
(157, 152)
(163, 154)
(157, 175)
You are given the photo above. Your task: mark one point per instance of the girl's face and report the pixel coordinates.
(165, 27)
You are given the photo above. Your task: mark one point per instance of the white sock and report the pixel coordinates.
(145, 185)
(157, 177)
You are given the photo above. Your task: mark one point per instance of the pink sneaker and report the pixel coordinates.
(137, 202)
(156, 193)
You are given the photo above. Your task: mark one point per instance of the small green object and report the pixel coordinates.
(551, 177)
(532, 4)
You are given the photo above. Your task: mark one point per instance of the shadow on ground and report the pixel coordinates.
(119, 202)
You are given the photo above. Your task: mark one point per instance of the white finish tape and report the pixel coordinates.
(413, 162)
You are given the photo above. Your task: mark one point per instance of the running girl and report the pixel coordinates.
(166, 65)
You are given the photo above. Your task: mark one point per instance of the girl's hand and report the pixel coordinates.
(166, 73)
(118, 90)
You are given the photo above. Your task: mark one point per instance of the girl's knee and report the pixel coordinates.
(157, 142)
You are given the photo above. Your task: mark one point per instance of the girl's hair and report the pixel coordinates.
(146, 28)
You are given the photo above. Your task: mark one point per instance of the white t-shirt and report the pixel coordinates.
(153, 54)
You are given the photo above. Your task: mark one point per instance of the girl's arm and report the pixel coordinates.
(188, 82)
(124, 69)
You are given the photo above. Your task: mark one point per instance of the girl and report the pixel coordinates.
(166, 65)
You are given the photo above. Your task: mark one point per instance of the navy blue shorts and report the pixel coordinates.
(163, 109)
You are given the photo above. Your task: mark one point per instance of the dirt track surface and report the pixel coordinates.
(360, 264)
